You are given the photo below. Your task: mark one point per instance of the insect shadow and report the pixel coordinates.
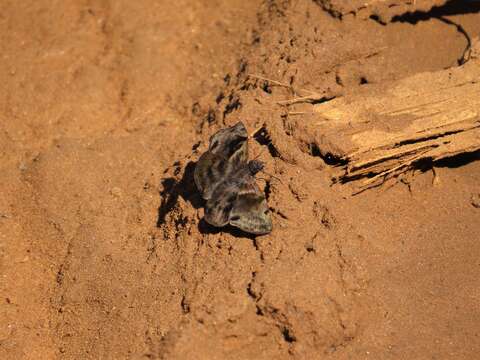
(174, 188)
(185, 188)
(206, 228)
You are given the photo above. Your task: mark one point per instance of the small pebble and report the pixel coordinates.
(476, 200)
(116, 192)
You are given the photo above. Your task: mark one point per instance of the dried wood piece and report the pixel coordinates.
(384, 10)
(383, 131)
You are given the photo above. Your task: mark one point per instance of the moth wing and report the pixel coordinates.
(209, 172)
(227, 154)
(239, 157)
(219, 205)
(231, 143)
(250, 211)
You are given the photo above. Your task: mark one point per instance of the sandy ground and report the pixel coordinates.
(104, 108)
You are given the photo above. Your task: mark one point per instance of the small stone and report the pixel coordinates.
(117, 192)
(475, 200)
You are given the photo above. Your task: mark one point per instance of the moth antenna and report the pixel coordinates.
(259, 154)
(256, 131)
(261, 178)
(272, 176)
(277, 178)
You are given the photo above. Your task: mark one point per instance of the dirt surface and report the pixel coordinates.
(106, 106)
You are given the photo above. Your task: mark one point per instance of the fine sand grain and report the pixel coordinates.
(106, 105)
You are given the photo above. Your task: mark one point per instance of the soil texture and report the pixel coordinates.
(105, 106)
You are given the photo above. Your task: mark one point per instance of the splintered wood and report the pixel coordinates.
(384, 131)
(383, 9)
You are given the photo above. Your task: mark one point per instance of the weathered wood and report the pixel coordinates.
(384, 130)
(383, 9)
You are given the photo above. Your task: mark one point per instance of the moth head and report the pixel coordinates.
(255, 166)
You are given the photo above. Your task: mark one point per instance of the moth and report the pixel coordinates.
(225, 179)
